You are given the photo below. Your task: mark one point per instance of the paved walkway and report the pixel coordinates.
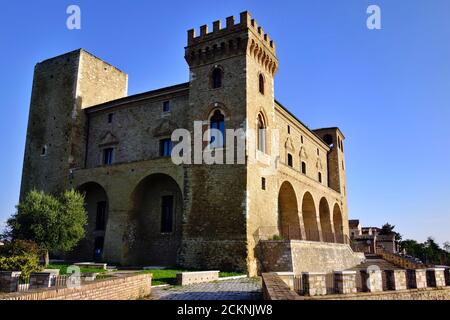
(238, 289)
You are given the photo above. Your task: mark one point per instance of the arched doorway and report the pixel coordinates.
(338, 225)
(97, 206)
(288, 220)
(154, 235)
(309, 218)
(325, 221)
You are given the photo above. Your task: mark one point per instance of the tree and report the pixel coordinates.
(447, 246)
(388, 229)
(55, 223)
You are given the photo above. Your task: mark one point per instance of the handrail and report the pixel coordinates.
(400, 261)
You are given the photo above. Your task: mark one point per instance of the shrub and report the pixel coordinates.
(20, 256)
(26, 263)
(277, 237)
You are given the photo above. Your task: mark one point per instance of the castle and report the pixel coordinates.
(85, 132)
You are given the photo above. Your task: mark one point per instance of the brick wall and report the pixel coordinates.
(125, 288)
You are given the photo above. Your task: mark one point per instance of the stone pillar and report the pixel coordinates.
(372, 280)
(314, 283)
(435, 277)
(9, 281)
(447, 276)
(396, 279)
(416, 278)
(40, 280)
(345, 281)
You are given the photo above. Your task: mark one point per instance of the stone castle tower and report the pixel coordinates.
(56, 136)
(85, 133)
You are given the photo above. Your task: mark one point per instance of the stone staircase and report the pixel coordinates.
(375, 260)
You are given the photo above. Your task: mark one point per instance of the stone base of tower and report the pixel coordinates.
(299, 256)
(223, 255)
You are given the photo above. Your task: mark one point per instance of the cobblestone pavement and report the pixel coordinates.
(237, 289)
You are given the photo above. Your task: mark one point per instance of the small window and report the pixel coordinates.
(261, 84)
(110, 117)
(261, 134)
(318, 151)
(167, 214)
(217, 122)
(342, 146)
(263, 183)
(290, 160)
(320, 177)
(166, 106)
(328, 139)
(303, 167)
(165, 148)
(108, 155)
(289, 129)
(343, 168)
(217, 75)
(100, 223)
(301, 139)
(44, 151)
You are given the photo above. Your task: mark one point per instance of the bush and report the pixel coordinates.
(20, 256)
(277, 237)
(26, 263)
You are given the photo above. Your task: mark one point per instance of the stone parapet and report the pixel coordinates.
(436, 277)
(314, 283)
(345, 282)
(396, 279)
(416, 278)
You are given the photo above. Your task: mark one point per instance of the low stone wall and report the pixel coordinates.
(306, 256)
(186, 278)
(123, 288)
(411, 294)
(276, 289)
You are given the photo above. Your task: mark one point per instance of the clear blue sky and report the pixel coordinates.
(388, 90)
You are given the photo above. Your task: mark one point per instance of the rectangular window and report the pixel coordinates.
(108, 155)
(289, 129)
(320, 177)
(100, 223)
(290, 160)
(166, 106)
(167, 214)
(110, 117)
(165, 147)
(263, 183)
(303, 167)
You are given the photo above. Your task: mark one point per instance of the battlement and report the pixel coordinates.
(246, 22)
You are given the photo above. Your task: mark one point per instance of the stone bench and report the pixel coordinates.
(9, 281)
(186, 278)
(39, 280)
(91, 265)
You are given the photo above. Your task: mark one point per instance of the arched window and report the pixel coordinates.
(261, 84)
(261, 133)
(303, 167)
(217, 75)
(217, 121)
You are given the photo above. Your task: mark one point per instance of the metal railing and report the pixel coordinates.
(296, 233)
(399, 260)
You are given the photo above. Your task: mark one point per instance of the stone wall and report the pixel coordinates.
(306, 256)
(411, 294)
(126, 288)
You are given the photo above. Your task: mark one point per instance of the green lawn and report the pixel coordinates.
(169, 276)
(63, 269)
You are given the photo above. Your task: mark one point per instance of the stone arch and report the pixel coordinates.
(154, 221)
(288, 219)
(325, 220)
(338, 224)
(97, 208)
(310, 217)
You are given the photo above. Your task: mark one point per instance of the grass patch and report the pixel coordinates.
(63, 269)
(169, 276)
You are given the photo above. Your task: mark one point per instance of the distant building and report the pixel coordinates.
(368, 239)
